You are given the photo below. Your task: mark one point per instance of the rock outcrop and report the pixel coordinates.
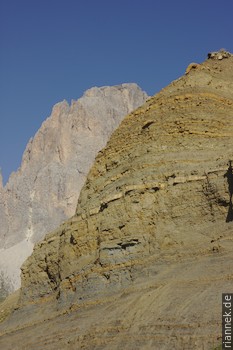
(44, 191)
(219, 55)
(143, 262)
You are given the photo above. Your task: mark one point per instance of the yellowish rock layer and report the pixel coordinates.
(144, 261)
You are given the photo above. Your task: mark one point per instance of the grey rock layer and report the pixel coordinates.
(45, 189)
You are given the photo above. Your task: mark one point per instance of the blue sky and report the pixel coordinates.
(52, 50)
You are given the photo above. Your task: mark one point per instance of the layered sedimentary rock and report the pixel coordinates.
(44, 191)
(143, 262)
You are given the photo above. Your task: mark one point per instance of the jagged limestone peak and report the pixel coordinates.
(44, 191)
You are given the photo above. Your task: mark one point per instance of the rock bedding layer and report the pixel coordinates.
(144, 261)
(44, 191)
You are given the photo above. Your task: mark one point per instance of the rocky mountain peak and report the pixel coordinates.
(148, 252)
(45, 189)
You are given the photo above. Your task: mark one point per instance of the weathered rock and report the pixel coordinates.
(144, 261)
(219, 55)
(191, 66)
(44, 191)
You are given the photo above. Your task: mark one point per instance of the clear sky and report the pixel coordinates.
(52, 50)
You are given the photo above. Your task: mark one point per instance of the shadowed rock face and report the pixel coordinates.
(143, 262)
(44, 191)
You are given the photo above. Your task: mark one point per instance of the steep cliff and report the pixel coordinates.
(143, 262)
(44, 191)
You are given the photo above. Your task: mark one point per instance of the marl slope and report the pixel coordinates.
(144, 261)
(44, 191)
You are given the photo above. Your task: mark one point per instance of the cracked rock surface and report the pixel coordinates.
(143, 262)
(44, 191)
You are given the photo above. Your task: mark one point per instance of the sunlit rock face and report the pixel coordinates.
(44, 191)
(144, 260)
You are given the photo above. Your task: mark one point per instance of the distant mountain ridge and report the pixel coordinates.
(45, 189)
